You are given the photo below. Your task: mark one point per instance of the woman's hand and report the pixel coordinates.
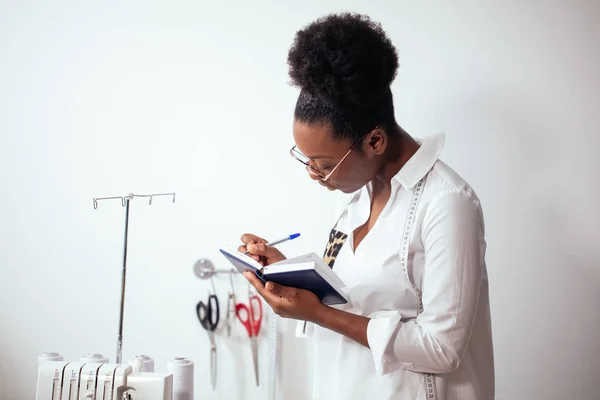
(259, 250)
(301, 304)
(288, 302)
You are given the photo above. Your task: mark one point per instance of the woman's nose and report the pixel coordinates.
(313, 175)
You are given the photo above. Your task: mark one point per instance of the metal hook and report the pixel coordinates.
(231, 281)
(250, 292)
(212, 282)
(130, 196)
(96, 199)
(155, 194)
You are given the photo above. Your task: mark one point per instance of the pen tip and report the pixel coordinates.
(294, 236)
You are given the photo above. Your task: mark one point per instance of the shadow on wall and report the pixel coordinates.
(544, 260)
(573, 295)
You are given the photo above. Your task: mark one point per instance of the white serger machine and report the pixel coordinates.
(97, 379)
(93, 377)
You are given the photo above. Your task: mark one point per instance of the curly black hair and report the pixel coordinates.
(344, 65)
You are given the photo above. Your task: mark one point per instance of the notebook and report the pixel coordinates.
(307, 272)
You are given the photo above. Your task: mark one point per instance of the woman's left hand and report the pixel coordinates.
(288, 302)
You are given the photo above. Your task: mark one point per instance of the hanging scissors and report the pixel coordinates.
(251, 317)
(231, 312)
(208, 315)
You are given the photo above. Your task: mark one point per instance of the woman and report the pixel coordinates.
(408, 239)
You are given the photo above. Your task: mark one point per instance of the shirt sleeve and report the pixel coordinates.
(435, 342)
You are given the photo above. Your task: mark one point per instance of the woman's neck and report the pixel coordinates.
(401, 147)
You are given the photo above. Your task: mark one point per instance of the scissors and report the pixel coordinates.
(230, 306)
(247, 314)
(208, 315)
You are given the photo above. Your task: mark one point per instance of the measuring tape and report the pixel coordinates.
(273, 352)
(431, 393)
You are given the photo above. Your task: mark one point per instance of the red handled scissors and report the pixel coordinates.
(251, 317)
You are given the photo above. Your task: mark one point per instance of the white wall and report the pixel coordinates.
(192, 97)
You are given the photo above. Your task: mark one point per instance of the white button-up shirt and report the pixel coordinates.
(420, 276)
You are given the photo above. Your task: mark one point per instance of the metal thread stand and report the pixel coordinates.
(125, 200)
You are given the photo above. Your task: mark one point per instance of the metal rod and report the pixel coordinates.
(125, 200)
(225, 271)
(204, 270)
(123, 281)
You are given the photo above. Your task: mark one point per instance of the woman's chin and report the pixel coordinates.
(348, 190)
(328, 187)
(334, 188)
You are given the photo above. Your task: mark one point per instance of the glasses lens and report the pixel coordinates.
(300, 157)
(306, 161)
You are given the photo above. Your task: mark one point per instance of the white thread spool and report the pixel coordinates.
(183, 378)
(50, 356)
(137, 364)
(94, 358)
(142, 363)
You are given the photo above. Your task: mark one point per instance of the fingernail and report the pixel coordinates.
(251, 247)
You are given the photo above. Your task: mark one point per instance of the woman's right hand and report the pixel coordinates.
(259, 250)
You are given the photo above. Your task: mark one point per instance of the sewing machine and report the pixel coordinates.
(93, 377)
(62, 380)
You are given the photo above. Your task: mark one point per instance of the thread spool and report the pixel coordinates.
(94, 358)
(183, 378)
(50, 356)
(137, 364)
(142, 363)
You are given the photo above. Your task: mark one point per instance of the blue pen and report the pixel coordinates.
(285, 239)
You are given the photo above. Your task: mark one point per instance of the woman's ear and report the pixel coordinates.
(376, 142)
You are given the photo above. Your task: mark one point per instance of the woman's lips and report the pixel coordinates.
(329, 187)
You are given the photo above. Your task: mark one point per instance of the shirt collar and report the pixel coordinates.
(415, 168)
(422, 161)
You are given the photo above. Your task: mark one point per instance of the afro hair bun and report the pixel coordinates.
(343, 58)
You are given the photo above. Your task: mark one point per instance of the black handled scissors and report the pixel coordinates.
(208, 315)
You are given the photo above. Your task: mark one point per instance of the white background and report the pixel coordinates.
(100, 98)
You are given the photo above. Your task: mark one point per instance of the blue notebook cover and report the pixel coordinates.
(243, 264)
(308, 279)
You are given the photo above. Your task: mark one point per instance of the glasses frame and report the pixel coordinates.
(314, 171)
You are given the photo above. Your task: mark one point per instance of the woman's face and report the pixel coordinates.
(324, 152)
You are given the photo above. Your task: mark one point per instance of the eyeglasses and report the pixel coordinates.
(294, 152)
